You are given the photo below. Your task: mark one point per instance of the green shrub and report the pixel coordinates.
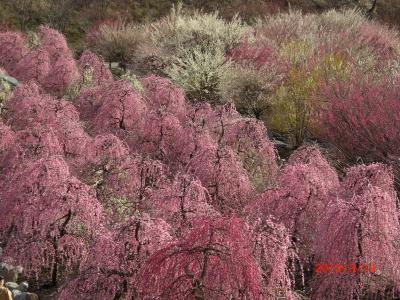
(183, 29)
(292, 105)
(119, 208)
(170, 38)
(291, 108)
(296, 52)
(117, 42)
(5, 91)
(284, 28)
(201, 73)
(250, 89)
(133, 79)
(85, 81)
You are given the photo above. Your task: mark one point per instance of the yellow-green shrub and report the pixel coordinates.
(295, 52)
(134, 80)
(5, 91)
(293, 105)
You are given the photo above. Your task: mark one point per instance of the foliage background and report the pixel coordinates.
(74, 17)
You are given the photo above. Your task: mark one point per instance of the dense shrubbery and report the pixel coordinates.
(115, 41)
(189, 47)
(273, 71)
(317, 51)
(131, 188)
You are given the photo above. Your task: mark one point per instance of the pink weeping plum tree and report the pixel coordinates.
(122, 184)
(304, 188)
(109, 270)
(162, 96)
(107, 150)
(88, 102)
(301, 192)
(35, 65)
(6, 143)
(221, 172)
(71, 134)
(47, 219)
(247, 137)
(165, 138)
(123, 181)
(29, 145)
(143, 124)
(12, 50)
(62, 74)
(216, 164)
(229, 193)
(54, 43)
(112, 108)
(63, 71)
(361, 231)
(28, 108)
(50, 63)
(271, 248)
(30, 88)
(180, 202)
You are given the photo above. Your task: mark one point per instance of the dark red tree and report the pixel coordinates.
(213, 261)
(359, 116)
(259, 55)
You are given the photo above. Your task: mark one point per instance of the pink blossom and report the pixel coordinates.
(101, 73)
(12, 50)
(47, 218)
